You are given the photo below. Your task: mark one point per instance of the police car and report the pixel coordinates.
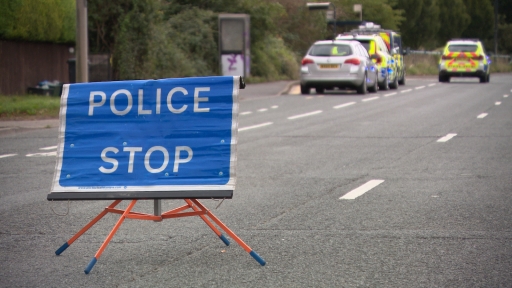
(386, 64)
(464, 58)
(393, 41)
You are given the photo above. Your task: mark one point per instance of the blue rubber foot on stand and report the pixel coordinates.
(62, 248)
(224, 239)
(91, 264)
(258, 258)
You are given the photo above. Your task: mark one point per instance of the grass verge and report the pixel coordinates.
(29, 107)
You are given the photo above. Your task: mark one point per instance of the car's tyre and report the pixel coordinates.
(488, 78)
(444, 79)
(362, 88)
(304, 90)
(374, 87)
(483, 79)
(385, 85)
(402, 80)
(394, 85)
(319, 90)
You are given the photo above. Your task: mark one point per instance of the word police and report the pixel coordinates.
(99, 98)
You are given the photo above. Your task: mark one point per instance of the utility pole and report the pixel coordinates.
(82, 44)
(496, 27)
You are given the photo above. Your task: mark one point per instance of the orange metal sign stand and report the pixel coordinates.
(193, 204)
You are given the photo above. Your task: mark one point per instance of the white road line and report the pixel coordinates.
(447, 137)
(408, 90)
(255, 126)
(497, 103)
(305, 115)
(481, 115)
(505, 96)
(370, 99)
(263, 110)
(430, 85)
(344, 105)
(390, 94)
(7, 155)
(274, 107)
(309, 97)
(361, 190)
(419, 87)
(54, 153)
(48, 148)
(246, 113)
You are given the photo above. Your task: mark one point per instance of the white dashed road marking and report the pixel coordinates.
(274, 107)
(497, 103)
(255, 126)
(505, 96)
(344, 105)
(46, 154)
(481, 115)
(370, 99)
(305, 115)
(430, 85)
(48, 148)
(263, 110)
(390, 94)
(447, 137)
(361, 190)
(7, 155)
(408, 90)
(419, 87)
(246, 113)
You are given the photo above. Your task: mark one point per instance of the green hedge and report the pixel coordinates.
(36, 20)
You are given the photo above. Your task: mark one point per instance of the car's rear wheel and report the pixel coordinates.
(394, 85)
(385, 85)
(488, 78)
(362, 88)
(374, 87)
(402, 80)
(304, 90)
(444, 78)
(483, 79)
(319, 90)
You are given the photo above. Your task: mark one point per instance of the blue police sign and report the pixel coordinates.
(175, 134)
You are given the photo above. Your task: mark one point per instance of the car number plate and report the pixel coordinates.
(329, 66)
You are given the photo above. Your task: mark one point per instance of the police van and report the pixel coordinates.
(393, 41)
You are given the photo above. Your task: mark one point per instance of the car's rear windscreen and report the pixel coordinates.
(462, 48)
(366, 44)
(330, 50)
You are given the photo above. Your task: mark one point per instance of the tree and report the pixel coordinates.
(481, 14)
(455, 20)
(422, 22)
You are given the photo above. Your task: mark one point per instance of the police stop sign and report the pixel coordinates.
(175, 134)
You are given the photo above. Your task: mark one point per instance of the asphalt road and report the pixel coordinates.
(401, 188)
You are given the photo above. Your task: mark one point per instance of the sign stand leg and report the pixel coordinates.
(229, 232)
(198, 210)
(109, 237)
(86, 227)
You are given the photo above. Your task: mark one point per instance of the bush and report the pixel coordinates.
(35, 20)
(272, 60)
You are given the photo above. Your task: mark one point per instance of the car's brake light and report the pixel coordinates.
(446, 57)
(479, 58)
(353, 61)
(306, 61)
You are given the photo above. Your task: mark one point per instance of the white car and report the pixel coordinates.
(341, 64)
